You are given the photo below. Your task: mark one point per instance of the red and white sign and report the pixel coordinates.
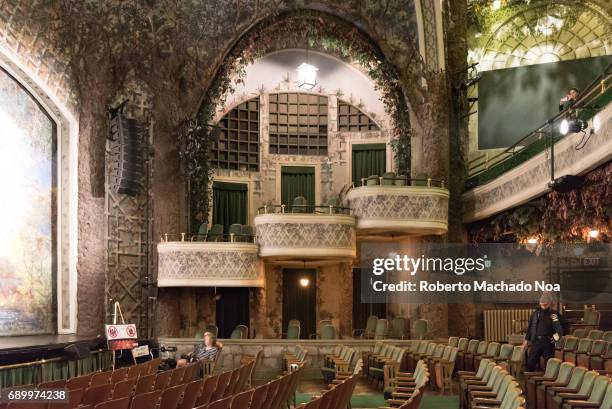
(121, 331)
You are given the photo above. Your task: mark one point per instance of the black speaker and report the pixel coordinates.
(124, 154)
(566, 183)
(77, 351)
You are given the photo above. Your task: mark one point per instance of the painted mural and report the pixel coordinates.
(27, 213)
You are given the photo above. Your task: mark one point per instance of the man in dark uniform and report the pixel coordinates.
(543, 330)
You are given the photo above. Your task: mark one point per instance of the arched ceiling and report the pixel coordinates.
(541, 32)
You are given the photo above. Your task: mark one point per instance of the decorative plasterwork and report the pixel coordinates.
(400, 209)
(530, 179)
(306, 236)
(205, 264)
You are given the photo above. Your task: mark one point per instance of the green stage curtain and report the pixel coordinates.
(368, 159)
(229, 204)
(297, 181)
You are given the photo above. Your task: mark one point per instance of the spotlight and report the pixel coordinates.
(596, 123)
(304, 282)
(572, 126)
(593, 233)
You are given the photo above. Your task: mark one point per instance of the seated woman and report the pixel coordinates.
(207, 350)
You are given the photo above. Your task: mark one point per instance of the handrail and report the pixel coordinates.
(42, 361)
(210, 238)
(599, 86)
(428, 182)
(303, 209)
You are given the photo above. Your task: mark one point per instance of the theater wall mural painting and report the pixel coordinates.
(27, 213)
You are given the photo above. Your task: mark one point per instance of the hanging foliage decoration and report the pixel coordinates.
(555, 217)
(304, 28)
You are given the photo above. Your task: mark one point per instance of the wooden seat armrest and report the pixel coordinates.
(574, 396)
(396, 401)
(563, 389)
(404, 389)
(469, 373)
(530, 374)
(483, 394)
(475, 383)
(582, 404)
(470, 378)
(541, 379)
(480, 407)
(480, 388)
(487, 401)
(410, 374)
(553, 384)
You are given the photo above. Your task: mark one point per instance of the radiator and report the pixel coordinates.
(500, 324)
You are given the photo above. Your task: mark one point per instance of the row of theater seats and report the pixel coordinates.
(408, 388)
(342, 361)
(472, 352)
(564, 385)
(295, 358)
(337, 396)
(590, 353)
(592, 334)
(142, 387)
(489, 387)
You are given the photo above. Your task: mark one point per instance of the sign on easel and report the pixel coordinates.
(121, 336)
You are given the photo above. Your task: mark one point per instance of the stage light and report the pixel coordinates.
(593, 233)
(572, 126)
(304, 282)
(596, 123)
(307, 76)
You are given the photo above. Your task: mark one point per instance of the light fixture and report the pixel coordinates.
(496, 5)
(572, 126)
(593, 233)
(304, 282)
(596, 122)
(307, 76)
(532, 240)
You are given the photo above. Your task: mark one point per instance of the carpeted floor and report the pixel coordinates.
(367, 397)
(376, 400)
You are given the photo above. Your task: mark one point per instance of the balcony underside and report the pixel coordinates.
(385, 211)
(292, 237)
(208, 264)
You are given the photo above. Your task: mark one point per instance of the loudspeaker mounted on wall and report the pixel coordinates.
(124, 152)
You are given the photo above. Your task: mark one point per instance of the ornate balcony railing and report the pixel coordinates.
(192, 263)
(412, 207)
(305, 232)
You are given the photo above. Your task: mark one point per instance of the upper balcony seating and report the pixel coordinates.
(392, 204)
(305, 232)
(210, 258)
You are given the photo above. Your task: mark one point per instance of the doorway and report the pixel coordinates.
(232, 308)
(299, 300)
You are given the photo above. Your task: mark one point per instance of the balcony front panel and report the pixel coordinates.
(404, 210)
(208, 264)
(288, 236)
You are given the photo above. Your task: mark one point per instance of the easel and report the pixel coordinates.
(117, 308)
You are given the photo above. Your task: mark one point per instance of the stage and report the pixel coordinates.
(18, 349)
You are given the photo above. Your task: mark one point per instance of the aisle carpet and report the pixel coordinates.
(375, 400)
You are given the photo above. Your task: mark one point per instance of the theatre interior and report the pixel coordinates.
(192, 192)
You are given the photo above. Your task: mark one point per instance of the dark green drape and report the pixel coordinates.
(297, 181)
(367, 160)
(229, 204)
(50, 371)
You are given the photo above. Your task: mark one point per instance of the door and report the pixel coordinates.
(299, 300)
(362, 309)
(232, 309)
(297, 181)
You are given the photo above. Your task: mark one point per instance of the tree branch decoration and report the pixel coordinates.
(555, 217)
